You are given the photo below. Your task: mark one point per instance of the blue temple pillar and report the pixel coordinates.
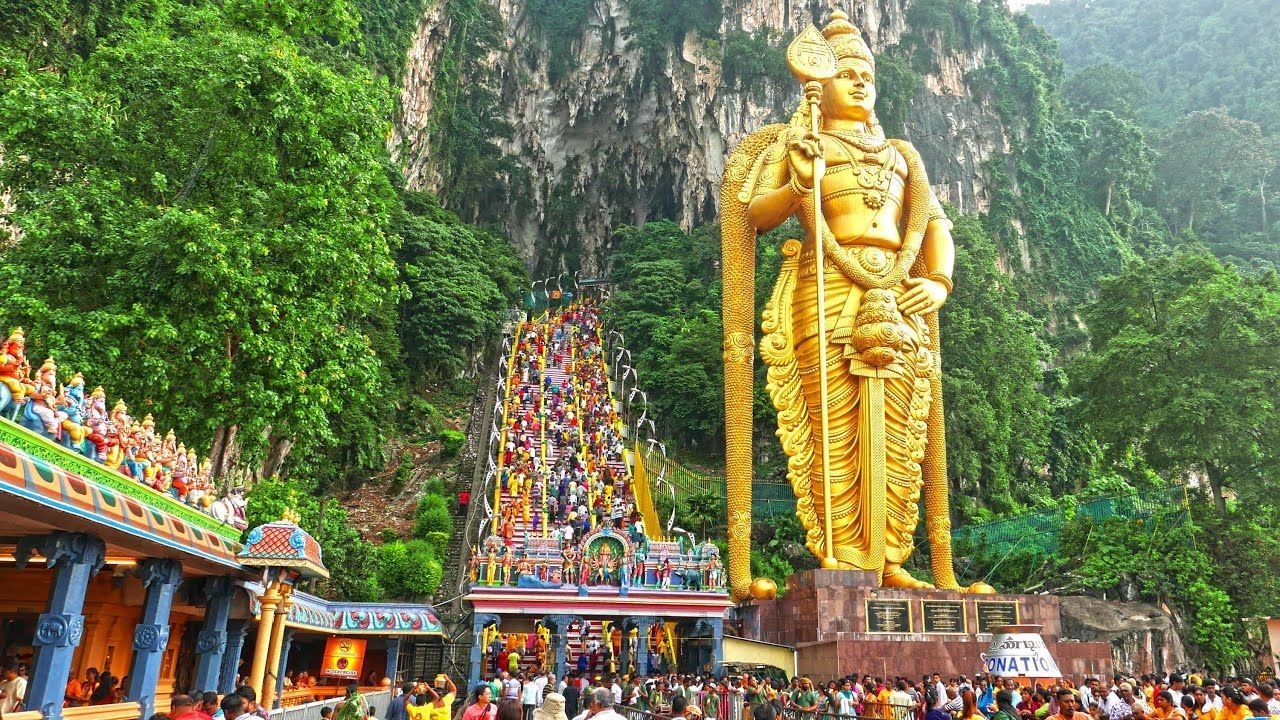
(717, 645)
(160, 577)
(74, 559)
(211, 644)
(393, 660)
(285, 646)
(236, 632)
(561, 624)
(479, 622)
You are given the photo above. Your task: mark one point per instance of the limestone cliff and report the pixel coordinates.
(619, 138)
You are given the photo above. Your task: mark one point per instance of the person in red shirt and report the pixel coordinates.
(483, 707)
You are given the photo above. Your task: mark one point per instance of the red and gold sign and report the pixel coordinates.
(343, 658)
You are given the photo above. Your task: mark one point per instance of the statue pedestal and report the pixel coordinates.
(839, 622)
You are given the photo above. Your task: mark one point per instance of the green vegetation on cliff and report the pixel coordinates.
(1206, 94)
(206, 220)
(1189, 54)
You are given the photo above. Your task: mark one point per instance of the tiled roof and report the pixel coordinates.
(283, 544)
(386, 619)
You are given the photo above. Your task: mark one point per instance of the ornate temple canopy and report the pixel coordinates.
(282, 544)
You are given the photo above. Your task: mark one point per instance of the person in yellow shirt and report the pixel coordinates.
(1233, 705)
(440, 706)
(1165, 709)
(1209, 710)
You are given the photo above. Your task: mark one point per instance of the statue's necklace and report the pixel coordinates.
(873, 170)
(865, 143)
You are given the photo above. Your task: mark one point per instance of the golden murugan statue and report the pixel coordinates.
(864, 429)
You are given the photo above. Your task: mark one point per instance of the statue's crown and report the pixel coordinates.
(845, 38)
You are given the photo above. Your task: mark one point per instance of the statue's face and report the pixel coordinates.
(851, 94)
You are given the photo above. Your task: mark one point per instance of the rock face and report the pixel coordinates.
(621, 139)
(1143, 637)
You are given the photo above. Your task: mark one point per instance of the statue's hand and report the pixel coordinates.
(802, 149)
(923, 296)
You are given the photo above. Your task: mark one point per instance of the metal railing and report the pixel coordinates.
(1039, 531)
(378, 703)
(714, 706)
(865, 711)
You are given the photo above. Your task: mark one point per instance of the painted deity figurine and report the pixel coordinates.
(14, 372)
(875, 411)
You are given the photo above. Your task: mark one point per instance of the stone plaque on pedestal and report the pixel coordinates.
(943, 616)
(888, 616)
(993, 614)
(841, 621)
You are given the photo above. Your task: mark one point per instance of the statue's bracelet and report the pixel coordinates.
(942, 280)
(798, 189)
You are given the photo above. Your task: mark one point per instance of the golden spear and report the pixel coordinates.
(811, 61)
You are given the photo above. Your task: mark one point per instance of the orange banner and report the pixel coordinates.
(343, 658)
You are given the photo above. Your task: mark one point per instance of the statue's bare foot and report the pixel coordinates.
(896, 577)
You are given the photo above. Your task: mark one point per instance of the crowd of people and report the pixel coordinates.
(104, 688)
(243, 703)
(1150, 697)
(1195, 696)
(561, 461)
(79, 420)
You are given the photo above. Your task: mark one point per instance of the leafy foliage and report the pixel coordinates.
(461, 280)
(200, 231)
(658, 26)
(466, 122)
(432, 516)
(386, 31)
(1185, 362)
(451, 442)
(409, 570)
(997, 421)
(1207, 54)
(561, 22)
(757, 59)
(1206, 96)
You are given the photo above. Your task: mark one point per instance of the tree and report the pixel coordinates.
(1191, 55)
(1184, 368)
(461, 280)
(1105, 87)
(203, 233)
(1116, 155)
(702, 513)
(997, 421)
(1209, 159)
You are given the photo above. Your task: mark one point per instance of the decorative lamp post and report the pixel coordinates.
(287, 554)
